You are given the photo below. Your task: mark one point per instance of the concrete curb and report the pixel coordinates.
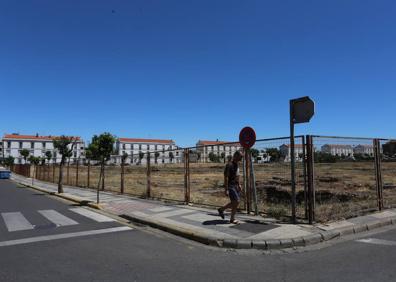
(270, 244)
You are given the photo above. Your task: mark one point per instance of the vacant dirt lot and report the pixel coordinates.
(343, 189)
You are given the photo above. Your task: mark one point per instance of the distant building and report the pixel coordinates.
(285, 151)
(364, 149)
(338, 150)
(205, 148)
(12, 144)
(166, 151)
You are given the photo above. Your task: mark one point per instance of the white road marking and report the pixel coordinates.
(63, 236)
(57, 218)
(377, 242)
(15, 221)
(92, 215)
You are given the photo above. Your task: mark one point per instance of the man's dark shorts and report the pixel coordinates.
(233, 193)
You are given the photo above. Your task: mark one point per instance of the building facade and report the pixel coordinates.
(364, 150)
(338, 150)
(218, 148)
(37, 146)
(166, 151)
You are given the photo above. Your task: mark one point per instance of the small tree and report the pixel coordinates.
(65, 146)
(101, 147)
(9, 161)
(171, 156)
(223, 157)
(48, 156)
(141, 156)
(255, 153)
(274, 154)
(25, 154)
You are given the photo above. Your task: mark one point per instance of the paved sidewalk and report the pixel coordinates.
(205, 226)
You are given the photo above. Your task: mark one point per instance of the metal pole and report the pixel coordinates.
(244, 183)
(148, 192)
(78, 161)
(310, 176)
(253, 185)
(304, 163)
(122, 175)
(53, 172)
(378, 175)
(292, 164)
(248, 182)
(88, 172)
(185, 176)
(188, 177)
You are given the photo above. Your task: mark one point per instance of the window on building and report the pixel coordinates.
(31, 145)
(155, 147)
(123, 146)
(20, 145)
(9, 144)
(140, 147)
(43, 144)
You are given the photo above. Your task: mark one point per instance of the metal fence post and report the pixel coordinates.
(77, 166)
(88, 172)
(310, 177)
(122, 175)
(186, 176)
(378, 174)
(148, 191)
(67, 173)
(304, 163)
(248, 181)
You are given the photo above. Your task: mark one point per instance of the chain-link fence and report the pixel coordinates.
(206, 173)
(344, 177)
(339, 178)
(272, 169)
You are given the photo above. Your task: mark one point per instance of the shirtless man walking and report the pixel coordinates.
(232, 187)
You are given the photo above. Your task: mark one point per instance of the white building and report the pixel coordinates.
(167, 151)
(205, 148)
(364, 149)
(37, 145)
(285, 151)
(338, 150)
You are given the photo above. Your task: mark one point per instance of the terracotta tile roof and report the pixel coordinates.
(33, 137)
(206, 143)
(140, 140)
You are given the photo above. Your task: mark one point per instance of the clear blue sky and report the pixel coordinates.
(190, 70)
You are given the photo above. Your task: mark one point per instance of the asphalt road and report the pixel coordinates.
(146, 255)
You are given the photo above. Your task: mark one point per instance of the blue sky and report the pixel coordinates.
(190, 70)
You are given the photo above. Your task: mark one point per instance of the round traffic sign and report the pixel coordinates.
(247, 137)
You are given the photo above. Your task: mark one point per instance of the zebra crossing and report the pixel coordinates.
(16, 221)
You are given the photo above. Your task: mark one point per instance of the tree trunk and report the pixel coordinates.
(60, 187)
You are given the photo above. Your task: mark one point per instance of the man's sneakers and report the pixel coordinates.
(221, 213)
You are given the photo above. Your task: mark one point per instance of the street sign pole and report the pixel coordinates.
(292, 163)
(301, 111)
